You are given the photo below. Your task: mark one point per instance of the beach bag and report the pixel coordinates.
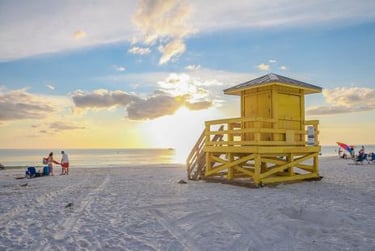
(46, 170)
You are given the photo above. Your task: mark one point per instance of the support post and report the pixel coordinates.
(257, 168)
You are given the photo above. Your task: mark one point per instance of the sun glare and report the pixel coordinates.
(179, 131)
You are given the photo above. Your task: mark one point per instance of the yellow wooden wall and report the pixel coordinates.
(282, 103)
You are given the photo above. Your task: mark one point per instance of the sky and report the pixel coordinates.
(148, 73)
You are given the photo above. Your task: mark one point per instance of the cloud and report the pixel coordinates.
(40, 27)
(119, 68)
(153, 107)
(279, 13)
(175, 91)
(20, 104)
(345, 100)
(63, 126)
(79, 35)
(139, 50)
(199, 105)
(184, 85)
(161, 105)
(193, 67)
(283, 68)
(102, 99)
(263, 67)
(164, 22)
(272, 61)
(206, 77)
(51, 87)
(172, 49)
(156, 20)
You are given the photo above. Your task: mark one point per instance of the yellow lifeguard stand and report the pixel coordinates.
(271, 141)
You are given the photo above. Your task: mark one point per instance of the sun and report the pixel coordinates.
(179, 131)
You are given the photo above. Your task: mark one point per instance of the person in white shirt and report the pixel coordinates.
(64, 163)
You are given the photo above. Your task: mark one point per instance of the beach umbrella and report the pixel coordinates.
(344, 146)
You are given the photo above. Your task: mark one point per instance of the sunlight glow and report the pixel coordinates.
(179, 131)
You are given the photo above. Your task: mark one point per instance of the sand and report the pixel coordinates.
(145, 208)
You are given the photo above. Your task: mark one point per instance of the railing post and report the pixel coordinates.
(257, 169)
(316, 132)
(208, 139)
(230, 155)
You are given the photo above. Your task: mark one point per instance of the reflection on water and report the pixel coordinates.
(90, 157)
(115, 157)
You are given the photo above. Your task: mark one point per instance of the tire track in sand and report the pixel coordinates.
(243, 227)
(67, 225)
(39, 201)
(179, 235)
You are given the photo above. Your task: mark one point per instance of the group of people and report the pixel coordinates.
(361, 156)
(64, 163)
(344, 155)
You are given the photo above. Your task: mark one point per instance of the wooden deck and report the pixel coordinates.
(263, 153)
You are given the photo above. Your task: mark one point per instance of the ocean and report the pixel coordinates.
(89, 157)
(113, 157)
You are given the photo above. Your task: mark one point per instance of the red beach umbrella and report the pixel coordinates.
(344, 146)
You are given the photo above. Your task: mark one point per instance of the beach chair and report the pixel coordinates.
(360, 158)
(31, 172)
(371, 159)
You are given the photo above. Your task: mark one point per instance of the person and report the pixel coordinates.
(50, 162)
(361, 152)
(352, 153)
(64, 163)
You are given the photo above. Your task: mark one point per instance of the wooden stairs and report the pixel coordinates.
(196, 161)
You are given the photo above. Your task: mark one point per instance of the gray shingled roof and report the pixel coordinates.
(270, 78)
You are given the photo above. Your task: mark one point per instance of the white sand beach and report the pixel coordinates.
(144, 208)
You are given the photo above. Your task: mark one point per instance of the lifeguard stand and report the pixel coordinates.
(270, 142)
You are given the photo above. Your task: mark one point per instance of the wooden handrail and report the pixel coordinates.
(236, 130)
(195, 160)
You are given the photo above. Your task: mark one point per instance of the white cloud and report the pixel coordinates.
(207, 77)
(120, 68)
(50, 86)
(172, 49)
(345, 100)
(42, 26)
(278, 13)
(139, 50)
(263, 67)
(36, 27)
(283, 67)
(159, 19)
(193, 67)
(272, 61)
(165, 22)
(173, 92)
(79, 34)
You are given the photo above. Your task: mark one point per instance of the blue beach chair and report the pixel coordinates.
(371, 158)
(360, 158)
(31, 172)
